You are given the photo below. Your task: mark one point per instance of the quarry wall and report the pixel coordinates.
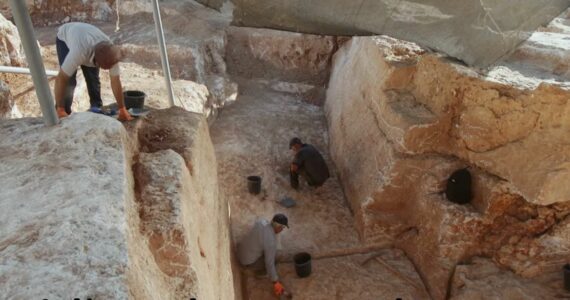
(402, 120)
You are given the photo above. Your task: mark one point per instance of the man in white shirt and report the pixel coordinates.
(80, 44)
(258, 248)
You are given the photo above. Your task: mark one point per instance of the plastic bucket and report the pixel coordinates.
(302, 264)
(566, 270)
(254, 184)
(134, 99)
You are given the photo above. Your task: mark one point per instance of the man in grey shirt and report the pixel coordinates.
(258, 248)
(84, 45)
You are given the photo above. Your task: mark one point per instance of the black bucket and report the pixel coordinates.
(302, 264)
(134, 99)
(566, 270)
(254, 184)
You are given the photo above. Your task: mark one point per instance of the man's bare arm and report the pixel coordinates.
(117, 88)
(59, 88)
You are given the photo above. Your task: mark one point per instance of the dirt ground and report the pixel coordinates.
(251, 138)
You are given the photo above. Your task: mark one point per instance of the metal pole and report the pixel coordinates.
(18, 70)
(34, 58)
(163, 54)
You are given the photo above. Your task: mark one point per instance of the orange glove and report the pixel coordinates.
(61, 112)
(278, 288)
(124, 115)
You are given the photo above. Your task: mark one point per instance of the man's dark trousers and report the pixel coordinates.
(91, 75)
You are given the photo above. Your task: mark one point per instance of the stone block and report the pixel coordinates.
(477, 32)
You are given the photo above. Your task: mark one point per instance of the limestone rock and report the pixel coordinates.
(477, 32)
(49, 12)
(8, 109)
(401, 121)
(196, 48)
(183, 218)
(284, 56)
(11, 51)
(81, 222)
(188, 94)
(59, 236)
(483, 280)
(215, 4)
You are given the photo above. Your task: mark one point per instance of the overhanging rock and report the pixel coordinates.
(477, 32)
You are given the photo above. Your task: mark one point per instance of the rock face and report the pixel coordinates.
(196, 42)
(8, 109)
(289, 57)
(11, 51)
(60, 236)
(215, 4)
(49, 12)
(483, 280)
(477, 32)
(293, 63)
(183, 218)
(81, 221)
(401, 121)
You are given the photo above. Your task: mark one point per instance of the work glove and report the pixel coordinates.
(61, 112)
(278, 288)
(124, 115)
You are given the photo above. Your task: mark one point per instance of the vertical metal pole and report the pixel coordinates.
(163, 54)
(35, 62)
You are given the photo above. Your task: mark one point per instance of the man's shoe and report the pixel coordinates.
(95, 109)
(98, 110)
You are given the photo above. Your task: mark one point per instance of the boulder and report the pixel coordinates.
(8, 108)
(477, 32)
(196, 43)
(215, 4)
(481, 279)
(401, 121)
(182, 216)
(279, 55)
(50, 12)
(59, 236)
(11, 51)
(90, 216)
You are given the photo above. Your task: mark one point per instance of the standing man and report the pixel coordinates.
(309, 163)
(80, 44)
(258, 248)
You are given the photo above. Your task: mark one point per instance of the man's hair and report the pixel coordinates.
(280, 219)
(295, 141)
(107, 54)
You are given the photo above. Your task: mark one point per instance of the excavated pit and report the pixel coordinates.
(392, 121)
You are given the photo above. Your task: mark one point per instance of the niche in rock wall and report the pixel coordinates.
(458, 188)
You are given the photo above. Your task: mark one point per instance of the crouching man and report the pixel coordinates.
(257, 250)
(308, 163)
